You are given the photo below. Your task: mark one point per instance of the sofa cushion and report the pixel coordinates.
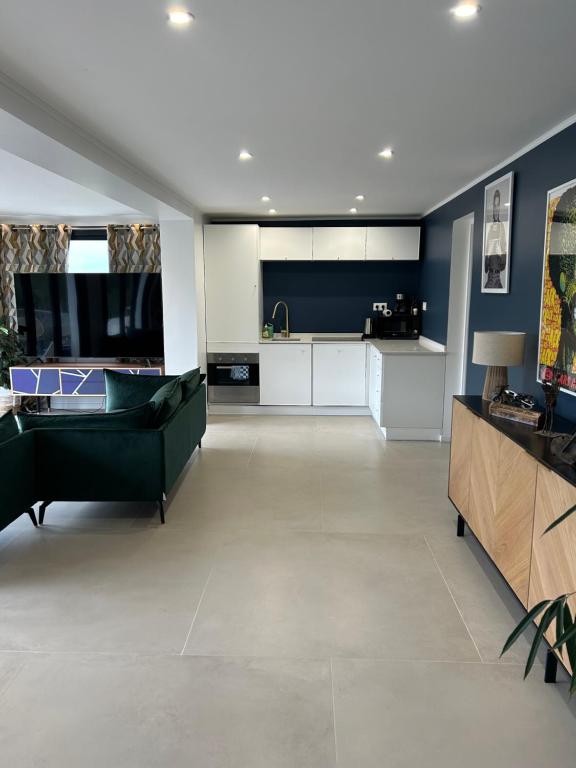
(166, 401)
(8, 427)
(190, 382)
(127, 390)
(132, 418)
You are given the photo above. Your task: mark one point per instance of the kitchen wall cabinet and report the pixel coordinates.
(393, 243)
(285, 373)
(339, 374)
(286, 243)
(232, 281)
(339, 244)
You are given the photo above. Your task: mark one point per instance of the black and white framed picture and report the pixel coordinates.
(497, 235)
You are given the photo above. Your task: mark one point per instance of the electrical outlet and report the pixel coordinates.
(424, 306)
(378, 306)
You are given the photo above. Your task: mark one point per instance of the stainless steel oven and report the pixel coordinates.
(233, 378)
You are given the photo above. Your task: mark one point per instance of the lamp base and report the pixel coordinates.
(496, 378)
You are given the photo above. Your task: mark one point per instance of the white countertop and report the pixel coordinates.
(386, 346)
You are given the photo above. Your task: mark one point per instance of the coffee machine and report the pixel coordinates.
(402, 321)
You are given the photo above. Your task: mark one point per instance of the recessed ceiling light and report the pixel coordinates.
(265, 198)
(359, 197)
(387, 153)
(181, 18)
(464, 11)
(272, 211)
(353, 210)
(245, 155)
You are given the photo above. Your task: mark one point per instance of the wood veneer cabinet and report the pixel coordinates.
(553, 570)
(498, 500)
(460, 457)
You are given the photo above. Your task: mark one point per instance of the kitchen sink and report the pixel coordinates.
(338, 339)
(283, 338)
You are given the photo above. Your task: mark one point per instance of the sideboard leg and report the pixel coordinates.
(161, 510)
(551, 667)
(460, 525)
(33, 517)
(43, 510)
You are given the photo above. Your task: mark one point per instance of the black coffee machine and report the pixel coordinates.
(402, 321)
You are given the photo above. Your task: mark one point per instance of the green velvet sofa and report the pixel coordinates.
(99, 464)
(17, 478)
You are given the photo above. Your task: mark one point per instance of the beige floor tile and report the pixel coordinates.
(143, 712)
(448, 716)
(318, 595)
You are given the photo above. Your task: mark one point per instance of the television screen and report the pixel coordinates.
(90, 315)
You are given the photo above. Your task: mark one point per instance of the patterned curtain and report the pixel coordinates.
(33, 248)
(134, 248)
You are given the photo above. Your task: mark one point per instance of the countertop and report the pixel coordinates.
(384, 346)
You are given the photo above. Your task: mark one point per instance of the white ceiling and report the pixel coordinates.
(314, 88)
(32, 193)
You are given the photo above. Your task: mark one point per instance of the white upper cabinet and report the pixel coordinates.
(286, 243)
(339, 244)
(393, 243)
(232, 275)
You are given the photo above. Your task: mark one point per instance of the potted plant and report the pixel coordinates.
(11, 353)
(550, 610)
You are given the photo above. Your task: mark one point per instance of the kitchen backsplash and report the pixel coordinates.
(334, 296)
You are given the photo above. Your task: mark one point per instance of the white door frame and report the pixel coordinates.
(458, 314)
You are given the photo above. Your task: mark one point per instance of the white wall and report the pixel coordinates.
(177, 240)
(200, 294)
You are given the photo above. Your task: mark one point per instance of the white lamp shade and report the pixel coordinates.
(501, 348)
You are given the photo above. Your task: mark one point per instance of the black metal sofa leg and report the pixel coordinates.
(43, 510)
(33, 517)
(161, 509)
(460, 526)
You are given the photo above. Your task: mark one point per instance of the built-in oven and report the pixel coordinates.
(233, 378)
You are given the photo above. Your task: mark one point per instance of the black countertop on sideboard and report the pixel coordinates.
(537, 446)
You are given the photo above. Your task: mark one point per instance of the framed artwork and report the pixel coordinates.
(557, 342)
(497, 235)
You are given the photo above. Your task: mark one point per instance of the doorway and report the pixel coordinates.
(458, 315)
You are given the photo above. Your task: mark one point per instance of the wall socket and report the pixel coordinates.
(424, 306)
(379, 307)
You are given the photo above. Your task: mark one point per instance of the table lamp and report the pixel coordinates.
(497, 350)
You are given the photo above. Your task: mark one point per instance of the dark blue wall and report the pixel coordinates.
(547, 166)
(335, 296)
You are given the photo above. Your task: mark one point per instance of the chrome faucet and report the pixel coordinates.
(286, 331)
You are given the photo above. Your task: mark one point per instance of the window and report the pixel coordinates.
(88, 251)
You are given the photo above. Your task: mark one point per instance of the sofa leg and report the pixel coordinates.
(33, 517)
(200, 444)
(161, 510)
(43, 510)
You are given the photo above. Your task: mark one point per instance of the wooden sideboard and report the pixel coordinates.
(508, 487)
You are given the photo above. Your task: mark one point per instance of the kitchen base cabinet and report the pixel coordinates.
(375, 383)
(339, 374)
(285, 374)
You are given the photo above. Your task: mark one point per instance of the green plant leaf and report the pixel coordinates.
(566, 635)
(560, 519)
(573, 684)
(526, 621)
(545, 622)
(571, 642)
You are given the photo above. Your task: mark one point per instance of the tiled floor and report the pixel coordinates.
(307, 605)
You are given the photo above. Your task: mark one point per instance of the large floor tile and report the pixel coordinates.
(488, 606)
(156, 712)
(449, 716)
(134, 591)
(319, 595)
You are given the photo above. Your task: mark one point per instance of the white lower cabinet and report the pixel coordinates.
(339, 374)
(285, 374)
(375, 383)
